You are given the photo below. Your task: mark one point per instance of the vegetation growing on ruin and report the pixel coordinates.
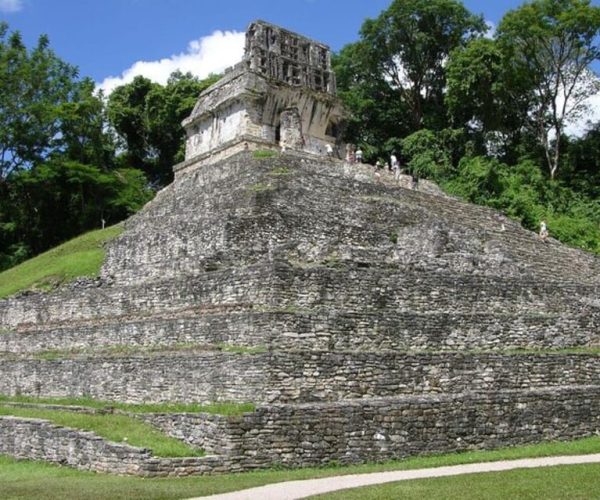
(264, 153)
(118, 428)
(124, 350)
(79, 257)
(28, 479)
(241, 349)
(220, 408)
(279, 171)
(260, 187)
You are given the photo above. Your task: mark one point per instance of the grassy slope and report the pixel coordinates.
(117, 428)
(81, 256)
(28, 479)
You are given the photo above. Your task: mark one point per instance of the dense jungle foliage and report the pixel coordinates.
(483, 114)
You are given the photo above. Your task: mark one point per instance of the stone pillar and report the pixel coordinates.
(291, 129)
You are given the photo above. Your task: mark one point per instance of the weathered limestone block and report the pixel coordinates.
(291, 129)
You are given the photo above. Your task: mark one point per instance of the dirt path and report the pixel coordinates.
(300, 489)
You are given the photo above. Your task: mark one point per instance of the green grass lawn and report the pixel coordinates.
(548, 483)
(81, 256)
(117, 428)
(27, 479)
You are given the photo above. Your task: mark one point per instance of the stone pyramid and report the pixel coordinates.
(367, 319)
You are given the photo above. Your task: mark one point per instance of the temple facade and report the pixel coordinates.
(282, 95)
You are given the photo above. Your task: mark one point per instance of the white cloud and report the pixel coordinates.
(208, 54)
(580, 126)
(491, 29)
(11, 5)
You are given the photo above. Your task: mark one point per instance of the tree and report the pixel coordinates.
(60, 199)
(583, 166)
(57, 162)
(375, 108)
(83, 131)
(34, 86)
(407, 46)
(549, 45)
(485, 97)
(126, 110)
(147, 116)
(432, 154)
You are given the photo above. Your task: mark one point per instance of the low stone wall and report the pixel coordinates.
(37, 439)
(213, 433)
(295, 376)
(314, 434)
(384, 429)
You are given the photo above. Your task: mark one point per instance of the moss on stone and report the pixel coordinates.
(264, 153)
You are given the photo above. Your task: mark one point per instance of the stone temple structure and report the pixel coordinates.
(281, 95)
(364, 320)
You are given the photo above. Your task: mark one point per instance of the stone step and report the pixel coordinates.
(279, 285)
(288, 376)
(313, 330)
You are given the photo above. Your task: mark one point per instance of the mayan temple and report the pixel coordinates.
(366, 320)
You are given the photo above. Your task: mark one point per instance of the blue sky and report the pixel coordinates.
(112, 41)
(107, 37)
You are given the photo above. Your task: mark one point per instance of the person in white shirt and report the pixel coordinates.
(543, 230)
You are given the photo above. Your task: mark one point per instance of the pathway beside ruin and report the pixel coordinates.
(301, 489)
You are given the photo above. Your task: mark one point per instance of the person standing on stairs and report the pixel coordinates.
(543, 231)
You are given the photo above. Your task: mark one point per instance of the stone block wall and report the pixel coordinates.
(310, 329)
(216, 434)
(219, 290)
(386, 313)
(334, 210)
(41, 440)
(390, 428)
(346, 432)
(278, 285)
(302, 376)
(202, 378)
